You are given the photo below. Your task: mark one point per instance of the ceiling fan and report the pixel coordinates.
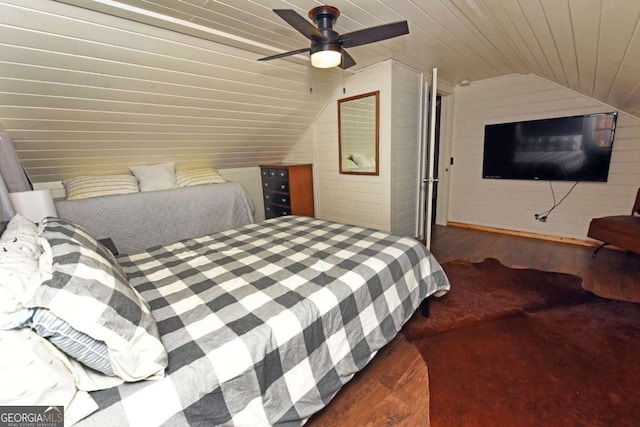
(327, 46)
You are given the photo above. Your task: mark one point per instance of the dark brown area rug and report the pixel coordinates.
(521, 347)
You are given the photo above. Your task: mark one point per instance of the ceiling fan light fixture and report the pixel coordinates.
(327, 46)
(326, 56)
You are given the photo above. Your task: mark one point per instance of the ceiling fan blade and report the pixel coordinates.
(347, 60)
(282, 55)
(299, 23)
(374, 34)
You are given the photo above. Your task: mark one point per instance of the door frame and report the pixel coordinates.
(444, 158)
(443, 161)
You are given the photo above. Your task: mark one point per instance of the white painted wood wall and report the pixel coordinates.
(351, 199)
(405, 145)
(511, 204)
(386, 201)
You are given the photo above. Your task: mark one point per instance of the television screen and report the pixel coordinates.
(574, 148)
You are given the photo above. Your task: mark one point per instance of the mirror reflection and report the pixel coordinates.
(358, 134)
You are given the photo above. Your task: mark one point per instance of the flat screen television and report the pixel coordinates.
(576, 148)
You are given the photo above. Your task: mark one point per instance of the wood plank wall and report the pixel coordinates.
(388, 201)
(351, 199)
(405, 146)
(511, 204)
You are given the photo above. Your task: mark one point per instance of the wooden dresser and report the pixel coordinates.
(287, 190)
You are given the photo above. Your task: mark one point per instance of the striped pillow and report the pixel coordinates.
(80, 346)
(199, 176)
(84, 187)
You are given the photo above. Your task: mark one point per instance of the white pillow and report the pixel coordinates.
(361, 160)
(19, 277)
(31, 374)
(22, 233)
(34, 373)
(84, 187)
(348, 164)
(19, 263)
(160, 176)
(199, 176)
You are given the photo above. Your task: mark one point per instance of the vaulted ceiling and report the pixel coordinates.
(93, 86)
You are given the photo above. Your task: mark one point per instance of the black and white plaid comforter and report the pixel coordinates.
(265, 323)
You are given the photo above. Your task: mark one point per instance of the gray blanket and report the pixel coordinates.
(138, 221)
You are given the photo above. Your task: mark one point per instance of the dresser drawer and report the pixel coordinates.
(274, 173)
(275, 185)
(272, 211)
(281, 199)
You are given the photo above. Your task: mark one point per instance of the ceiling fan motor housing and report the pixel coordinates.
(325, 17)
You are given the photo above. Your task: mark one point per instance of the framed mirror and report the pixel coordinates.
(358, 134)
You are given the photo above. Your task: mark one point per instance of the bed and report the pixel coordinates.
(262, 324)
(139, 220)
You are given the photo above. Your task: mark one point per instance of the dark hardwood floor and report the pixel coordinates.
(393, 389)
(611, 274)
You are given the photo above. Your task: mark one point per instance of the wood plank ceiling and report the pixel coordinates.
(96, 88)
